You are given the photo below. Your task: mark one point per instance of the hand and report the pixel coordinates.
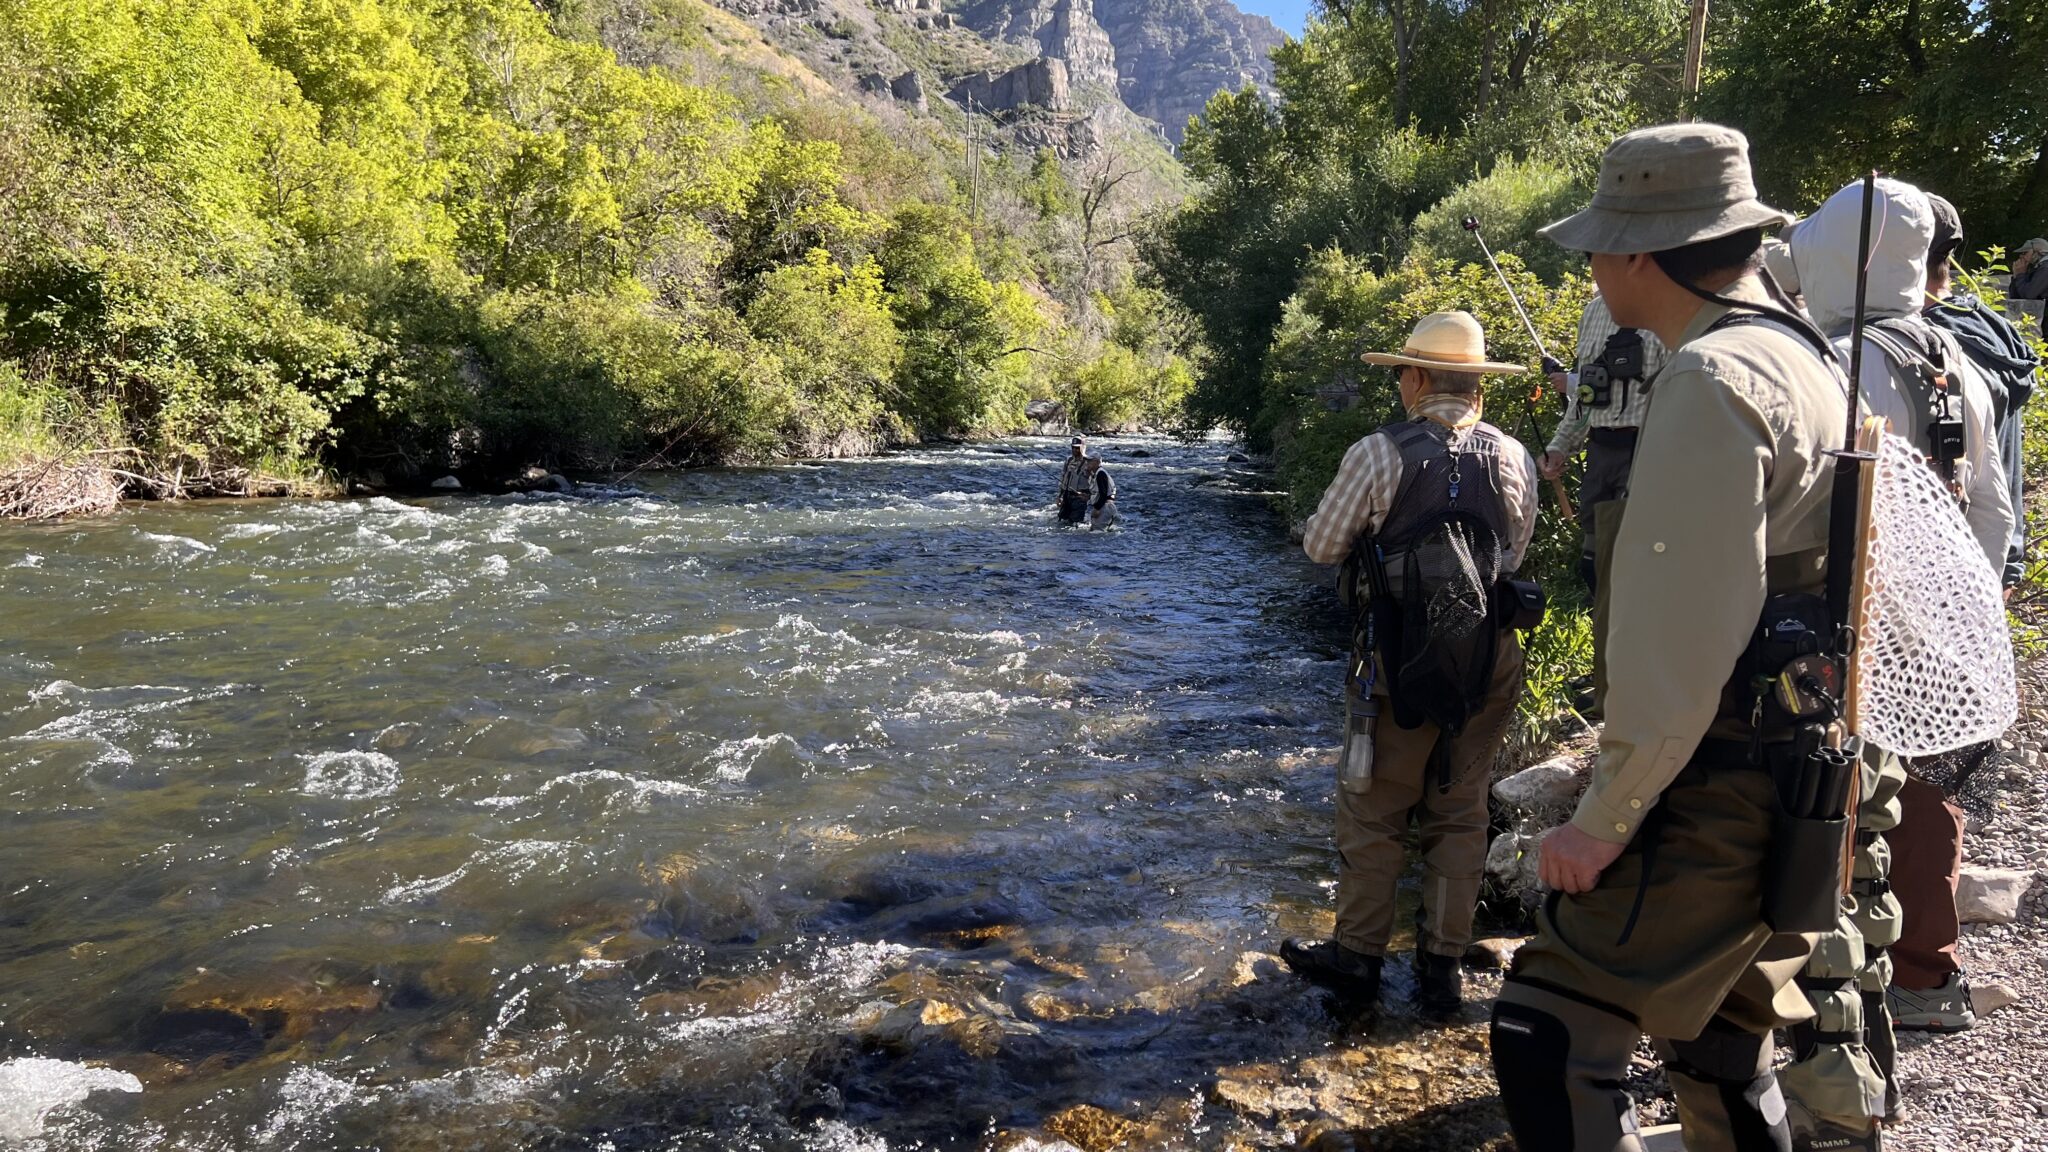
(1559, 381)
(1571, 861)
(1552, 465)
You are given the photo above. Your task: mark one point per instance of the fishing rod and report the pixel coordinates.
(1550, 364)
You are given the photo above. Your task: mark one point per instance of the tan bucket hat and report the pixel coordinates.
(1666, 187)
(2036, 245)
(1448, 340)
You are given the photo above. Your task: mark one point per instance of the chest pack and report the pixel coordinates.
(1431, 609)
(1604, 380)
(1910, 346)
(1105, 484)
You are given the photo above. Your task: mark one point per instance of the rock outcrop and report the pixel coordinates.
(1065, 30)
(909, 88)
(1163, 58)
(1041, 83)
(1173, 55)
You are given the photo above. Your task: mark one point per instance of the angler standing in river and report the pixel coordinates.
(1077, 482)
(1432, 511)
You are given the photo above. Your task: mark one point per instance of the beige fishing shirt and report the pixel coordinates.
(1728, 503)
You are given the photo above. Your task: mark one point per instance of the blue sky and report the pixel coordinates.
(1288, 14)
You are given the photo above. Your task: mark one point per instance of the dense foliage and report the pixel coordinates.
(271, 237)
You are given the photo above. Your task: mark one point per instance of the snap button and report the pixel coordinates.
(1635, 803)
(1657, 547)
(1621, 827)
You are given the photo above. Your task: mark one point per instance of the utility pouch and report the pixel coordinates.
(1596, 385)
(1788, 674)
(1518, 604)
(1803, 875)
(1945, 444)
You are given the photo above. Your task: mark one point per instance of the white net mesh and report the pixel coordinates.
(1935, 658)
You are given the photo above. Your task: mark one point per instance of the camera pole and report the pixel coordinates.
(1550, 364)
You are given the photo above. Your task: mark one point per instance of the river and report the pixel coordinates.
(846, 806)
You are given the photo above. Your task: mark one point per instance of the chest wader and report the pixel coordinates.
(1754, 825)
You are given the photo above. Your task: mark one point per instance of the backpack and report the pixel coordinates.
(1432, 568)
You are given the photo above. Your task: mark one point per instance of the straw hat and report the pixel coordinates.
(1450, 341)
(1666, 187)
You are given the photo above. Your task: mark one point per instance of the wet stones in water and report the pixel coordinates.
(715, 996)
(1263, 717)
(1091, 1129)
(1237, 458)
(236, 1018)
(199, 1035)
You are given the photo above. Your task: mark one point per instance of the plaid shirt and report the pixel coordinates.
(1359, 499)
(1595, 326)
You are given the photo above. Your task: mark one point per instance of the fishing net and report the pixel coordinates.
(1935, 657)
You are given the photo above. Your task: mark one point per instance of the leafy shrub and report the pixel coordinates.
(1511, 202)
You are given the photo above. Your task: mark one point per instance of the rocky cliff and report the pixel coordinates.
(1162, 58)
(1172, 55)
(1095, 66)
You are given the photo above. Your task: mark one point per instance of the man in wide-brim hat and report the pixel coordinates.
(1656, 925)
(1395, 488)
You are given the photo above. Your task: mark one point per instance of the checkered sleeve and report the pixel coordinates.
(1518, 494)
(1356, 501)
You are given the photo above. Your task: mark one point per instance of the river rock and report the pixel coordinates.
(1991, 895)
(1090, 1129)
(1511, 859)
(1988, 998)
(447, 484)
(908, 1026)
(1546, 785)
(1237, 458)
(1493, 952)
(1252, 1090)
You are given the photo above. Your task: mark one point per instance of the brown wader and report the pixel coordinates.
(1449, 813)
(1927, 857)
(1670, 943)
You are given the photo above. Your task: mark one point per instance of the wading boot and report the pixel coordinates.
(1439, 985)
(1942, 1009)
(1353, 976)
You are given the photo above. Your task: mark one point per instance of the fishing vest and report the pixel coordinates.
(1437, 476)
(1429, 574)
(1078, 476)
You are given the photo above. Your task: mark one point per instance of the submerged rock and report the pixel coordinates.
(447, 484)
(1091, 1129)
(1254, 1090)
(288, 1007)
